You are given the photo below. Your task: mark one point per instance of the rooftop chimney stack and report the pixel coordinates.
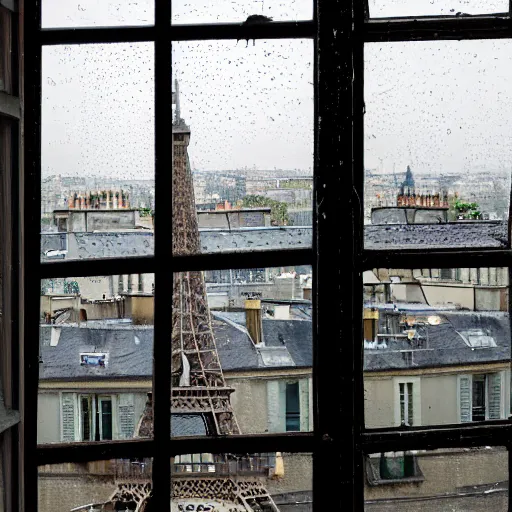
(253, 320)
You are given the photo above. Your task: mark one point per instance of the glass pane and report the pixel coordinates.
(437, 154)
(206, 11)
(97, 486)
(97, 151)
(96, 357)
(243, 145)
(242, 352)
(393, 8)
(96, 13)
(436, 346)
(278, 481)
(469, 479)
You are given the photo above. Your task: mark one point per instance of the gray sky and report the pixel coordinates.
(389, 8)
(75, 13)
(439, 106)
(246, 106)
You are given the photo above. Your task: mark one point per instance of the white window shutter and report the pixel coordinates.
(276, 406)
(304, 404)
(494, 391)
(465, 398)
(126, 414)
(69, 419)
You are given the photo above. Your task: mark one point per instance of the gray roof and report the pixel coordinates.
(436, 236)
(129, 349)
(445, 346)
(288, 344)
(490, 234)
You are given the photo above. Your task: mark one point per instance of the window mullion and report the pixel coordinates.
(337, 320)
(162, 349)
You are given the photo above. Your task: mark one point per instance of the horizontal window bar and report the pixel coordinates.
(53, 36)
(10, 105)
(457, 436)
(456, 258)
(296, 442)
(253, 259)
(148, 264)
(98, 450)
(97, 267)
(437, 28)
(274, 30)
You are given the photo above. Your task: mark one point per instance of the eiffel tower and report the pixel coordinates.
(198, 384)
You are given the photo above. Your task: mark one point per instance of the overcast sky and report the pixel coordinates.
(438, 106)
(246, 106)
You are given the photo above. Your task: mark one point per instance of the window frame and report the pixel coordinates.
(339, 29)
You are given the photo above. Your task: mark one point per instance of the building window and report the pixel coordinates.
(292, 407)
(389, 468)
(481, 397)
(406, 404)
(407, 401)
(288, 405)
(95, 418)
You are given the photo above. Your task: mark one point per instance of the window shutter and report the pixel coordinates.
(126, 414)
(304, 404)
(68, 413)
(276, 406)
(494, 391)
(465, 404)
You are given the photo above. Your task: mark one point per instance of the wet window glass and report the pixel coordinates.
(243, 145)
(95, 357)
(254, 11)
(395, 8)
(96, 13)
(436, 346)
(437, 153)
(97, 160)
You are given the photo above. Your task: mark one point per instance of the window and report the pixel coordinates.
(387, 468)
(373, 118)
(95, 418)
(406, 404)
(292, 407)
(288, 405)
(407, 401)
(481, 397)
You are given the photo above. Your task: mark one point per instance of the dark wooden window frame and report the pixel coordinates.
(340, 441)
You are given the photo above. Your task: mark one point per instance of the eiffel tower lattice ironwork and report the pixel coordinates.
(198, 384)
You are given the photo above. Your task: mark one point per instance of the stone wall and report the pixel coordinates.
(61, 492)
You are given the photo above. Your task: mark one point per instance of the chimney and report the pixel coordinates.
(253, 320)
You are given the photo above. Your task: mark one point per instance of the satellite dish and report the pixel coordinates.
(434, 320)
